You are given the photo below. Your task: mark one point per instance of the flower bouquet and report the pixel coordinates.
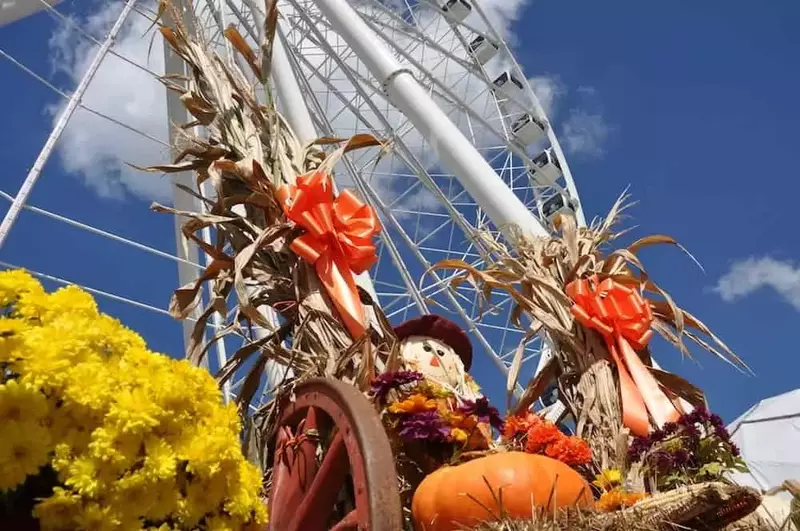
(429, 423)
(694, 449)
(98, 432)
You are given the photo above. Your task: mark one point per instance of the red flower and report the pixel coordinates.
(540, 435)
(517, 425)
(572, 450)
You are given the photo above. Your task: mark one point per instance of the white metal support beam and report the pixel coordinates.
(456, 152)
(184, 249)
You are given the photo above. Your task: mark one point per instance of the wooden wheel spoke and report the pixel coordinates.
(309, 494)
(314, 511)
(312, 419)
(348, 522)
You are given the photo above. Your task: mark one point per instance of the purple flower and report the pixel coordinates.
(669, 428)
(680, 457)
(484, 411)
(427, 425)
(638, 446)
(661, 460)
(392, 380)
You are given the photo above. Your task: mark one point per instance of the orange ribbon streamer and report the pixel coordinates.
(623, 318)
(338, 240)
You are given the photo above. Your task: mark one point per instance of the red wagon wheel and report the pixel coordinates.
(333, 468)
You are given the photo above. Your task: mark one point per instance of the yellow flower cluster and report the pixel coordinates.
(136, 439)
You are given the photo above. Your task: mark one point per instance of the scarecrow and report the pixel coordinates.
(439, 349)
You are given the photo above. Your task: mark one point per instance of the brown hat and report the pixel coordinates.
(439, 328)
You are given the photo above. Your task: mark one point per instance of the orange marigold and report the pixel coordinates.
(457, 420)
(572, 450)
(415, 403)
(616, 499)
(518, 425)
(540, 435)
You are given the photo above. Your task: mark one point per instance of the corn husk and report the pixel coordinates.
(247, 150)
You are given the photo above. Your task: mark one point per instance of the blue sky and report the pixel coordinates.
(692, 106)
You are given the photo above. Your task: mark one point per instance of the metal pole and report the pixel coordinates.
(177, 114)
(456, 152)
(73, 103)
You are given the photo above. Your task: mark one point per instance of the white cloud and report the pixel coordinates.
(548, 89)
(585, 133)
(93, 148)
(752, 274)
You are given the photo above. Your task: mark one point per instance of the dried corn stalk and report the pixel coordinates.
(536, 277)
(246, 152)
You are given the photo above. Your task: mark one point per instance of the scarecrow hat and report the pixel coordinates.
(439, 328)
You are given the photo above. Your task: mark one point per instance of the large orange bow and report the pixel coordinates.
(623, 318)
(338, 240)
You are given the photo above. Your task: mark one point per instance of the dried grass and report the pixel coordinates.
(248, 150)
(705, 507)
(535, 274)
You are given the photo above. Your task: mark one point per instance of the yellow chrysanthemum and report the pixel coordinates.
(134, 495)
(96, 517)
(222, 523)
(72, 301)
(133, 411)
(133, 436)
(167, 500)
(58, 512)
(15, 283)
(118, 449)
(44, 363)
(24, 449)
(160, 461)
(86, 476)
(11, 332)
(459, 435)
(20, 401)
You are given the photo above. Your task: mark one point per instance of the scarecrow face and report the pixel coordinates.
(433, 358)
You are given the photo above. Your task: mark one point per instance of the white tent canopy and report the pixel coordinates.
(768, 435)
(13, 10)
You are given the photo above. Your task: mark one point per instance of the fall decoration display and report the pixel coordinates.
(505, 484)
(98, 432)
(597, 305)
(359, 391)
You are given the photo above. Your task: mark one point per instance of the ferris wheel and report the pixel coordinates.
(469, 147)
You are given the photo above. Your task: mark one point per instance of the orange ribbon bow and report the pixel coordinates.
(623, 318)
(338, 240)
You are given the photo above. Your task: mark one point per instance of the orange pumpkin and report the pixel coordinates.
(446, 499)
